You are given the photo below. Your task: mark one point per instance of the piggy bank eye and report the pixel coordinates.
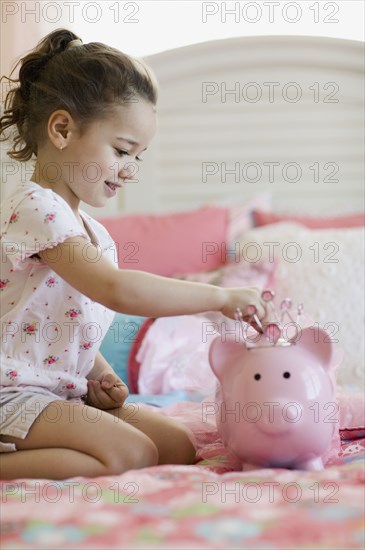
(257, 376)
(286, 375)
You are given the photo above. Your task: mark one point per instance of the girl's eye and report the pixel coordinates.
(121, 152)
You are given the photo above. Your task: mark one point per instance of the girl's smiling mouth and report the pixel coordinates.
(111, 188)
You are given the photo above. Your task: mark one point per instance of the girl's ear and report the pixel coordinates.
(60, 126)
(222, 354)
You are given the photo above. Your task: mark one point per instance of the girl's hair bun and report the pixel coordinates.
(58, 40)
(32, 65)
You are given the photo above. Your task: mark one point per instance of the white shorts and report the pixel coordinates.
(19, 410)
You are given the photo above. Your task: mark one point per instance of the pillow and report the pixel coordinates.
(182, 242)
(168, 243)
(259, 274)
(133, 365)
(352, 414)
(174, 356)
(164, 399)
(174, 353)
(118, 341)
(324, 270)
(352, 220)
(241, 218)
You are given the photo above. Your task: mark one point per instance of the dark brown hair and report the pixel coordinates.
(87, 80)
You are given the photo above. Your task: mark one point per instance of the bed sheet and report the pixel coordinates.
(211, 504)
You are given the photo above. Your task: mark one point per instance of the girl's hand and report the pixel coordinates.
(241, 298)
(108, 391)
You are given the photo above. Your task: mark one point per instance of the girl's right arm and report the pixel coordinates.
(141, 293)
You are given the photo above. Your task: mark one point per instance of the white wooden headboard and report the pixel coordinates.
(245, 115)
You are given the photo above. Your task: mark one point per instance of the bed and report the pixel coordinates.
(260, 143)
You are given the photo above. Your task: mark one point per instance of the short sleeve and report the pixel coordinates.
(34, 221)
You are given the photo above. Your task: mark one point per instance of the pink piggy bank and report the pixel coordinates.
(275, 404)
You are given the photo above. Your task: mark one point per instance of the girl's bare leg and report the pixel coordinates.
(84, 441)
(172, 439)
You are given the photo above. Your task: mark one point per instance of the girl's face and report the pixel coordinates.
(96, 163)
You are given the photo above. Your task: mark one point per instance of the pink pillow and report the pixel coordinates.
(133, 366)
(352, 220)
(260, 274)
(240, 218)
(165, 244)
(352, 414)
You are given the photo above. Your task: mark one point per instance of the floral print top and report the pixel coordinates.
(50, 331)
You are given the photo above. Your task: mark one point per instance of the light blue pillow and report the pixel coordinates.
(118, 341)
(165, 399)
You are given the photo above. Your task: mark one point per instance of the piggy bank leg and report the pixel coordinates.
(315, 464)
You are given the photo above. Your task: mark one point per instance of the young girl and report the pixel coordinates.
(83, 111)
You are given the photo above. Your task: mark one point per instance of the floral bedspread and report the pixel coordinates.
(208, 505)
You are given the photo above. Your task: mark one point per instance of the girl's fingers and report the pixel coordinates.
(92, 395)
(118, 393)
(91, 398)
(96, 395)
(108, 381)
(104, 398)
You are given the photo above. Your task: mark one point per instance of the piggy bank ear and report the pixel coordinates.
(318, 342)
(222, 354)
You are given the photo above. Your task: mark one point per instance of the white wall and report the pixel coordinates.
(145, 27)
(153, 26)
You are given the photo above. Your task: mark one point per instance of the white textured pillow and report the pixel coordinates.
(324, 270)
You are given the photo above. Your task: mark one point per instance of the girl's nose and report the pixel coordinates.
(128, 171)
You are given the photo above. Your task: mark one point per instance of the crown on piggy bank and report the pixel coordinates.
(272, 333)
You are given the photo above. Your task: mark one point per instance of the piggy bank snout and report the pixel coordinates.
(280, 416)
